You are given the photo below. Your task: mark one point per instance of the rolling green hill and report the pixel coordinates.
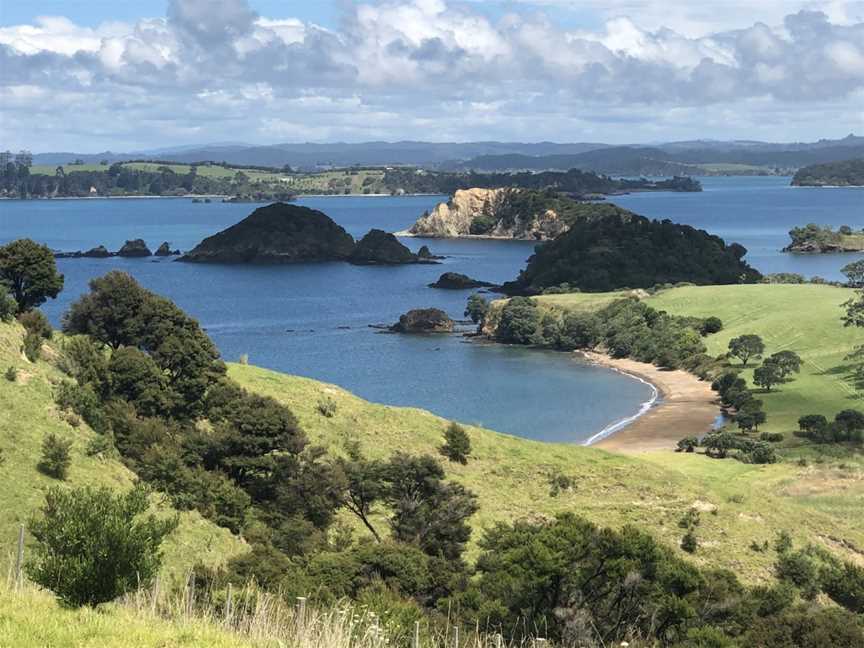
(27, 415)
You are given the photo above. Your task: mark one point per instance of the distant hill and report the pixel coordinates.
(659, 159)
(848, 173)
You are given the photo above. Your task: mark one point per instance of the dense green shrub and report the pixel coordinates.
(32, 346)
(93, 546)
(457, 444)
(11, 374)
(84, 401)
(519, 322)
(35, 322)
(56, 458)
(8, 306)
(711, 325)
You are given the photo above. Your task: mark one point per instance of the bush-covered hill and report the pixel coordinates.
(849, 173)
(625, 250)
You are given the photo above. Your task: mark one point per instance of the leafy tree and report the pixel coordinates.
(110, 312)
(718, 444)
(768, 375)
(789, 362)
(805, 627)
(855, 273)
(35, 323)
(519, 321)
(745, 347)
(365, 486)
(427, 511)
(457, 444)
(8, 306)
(812, 422)
(477, 308)
(711, 325)
(93, 546)
(29, 271)
(55, 459)
(135, 377)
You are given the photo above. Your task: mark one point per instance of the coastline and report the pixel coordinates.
(682, 405)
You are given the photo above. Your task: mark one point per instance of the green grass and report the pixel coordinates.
(802, 318)
(27, 415)
(50, 169)
(510, 477)
(722, 167)
(31, 619)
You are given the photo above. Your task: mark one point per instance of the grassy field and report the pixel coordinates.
(27, 415)
(802, 318)
(820, 502)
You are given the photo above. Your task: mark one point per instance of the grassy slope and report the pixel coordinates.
(27, 415)
(802, 318)
(510, 476)
(34, 620)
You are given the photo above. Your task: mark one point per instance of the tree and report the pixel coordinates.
(365, 486)
(855, 273)
(427, 511)
(519, 321)
(29, 271)
(8, 306)
(711, 325)
(457, 444)
(788, 362)
(93, 546)
(55, 457)
(687, 444)
(768, 375)
(810, 423)
(718, 444)
(745, 347)
(477, 308)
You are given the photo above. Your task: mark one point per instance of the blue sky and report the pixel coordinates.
(95, 75)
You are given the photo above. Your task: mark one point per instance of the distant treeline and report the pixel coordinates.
(573, 181)
(849, 173)
(17, 181)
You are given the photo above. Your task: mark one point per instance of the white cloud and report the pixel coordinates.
(432, 69)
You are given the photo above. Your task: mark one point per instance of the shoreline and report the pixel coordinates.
(682, 405)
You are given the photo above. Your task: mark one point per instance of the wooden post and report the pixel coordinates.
(229, 601)
(499, 641)
(416, 643)
(19, 559)
(455, 636)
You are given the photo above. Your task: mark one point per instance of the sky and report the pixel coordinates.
(126, 75)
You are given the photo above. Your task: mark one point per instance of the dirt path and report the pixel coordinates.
(686, 407)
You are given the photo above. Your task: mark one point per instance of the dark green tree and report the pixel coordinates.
(768, 375)
(29, 271)
(477, 308)
(93, 546)
(457, 444)
(745, 347)
(55, 459)
(789, 362)
(519, 321)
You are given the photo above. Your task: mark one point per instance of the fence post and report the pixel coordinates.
(19, 559)
(229, 600)
(455, 636)
(499, 641)
(416, 643)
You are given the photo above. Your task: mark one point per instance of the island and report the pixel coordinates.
(277, 233)
(847, 173)
(816, 239)
(503, 213)
(424, 320)
(620, 249)
(459, 281)
(382, 248)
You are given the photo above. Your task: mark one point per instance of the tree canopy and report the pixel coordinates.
(29, 271)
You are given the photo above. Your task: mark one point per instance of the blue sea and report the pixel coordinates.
(314, 319)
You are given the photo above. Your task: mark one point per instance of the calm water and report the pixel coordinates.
(313, 320)
(758, 213)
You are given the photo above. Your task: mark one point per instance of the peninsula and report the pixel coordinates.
(848, 173)
(813, 238)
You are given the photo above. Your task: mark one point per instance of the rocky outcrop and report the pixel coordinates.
(134, 248)
(506, 213)
(165, 250)
(381, 248)
(98, 252)
(425, 253)
(458, 281)
(424, 320)
(277, 233)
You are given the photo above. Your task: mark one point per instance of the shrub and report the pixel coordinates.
(93, 546)
(32, 346)
(559, 482)
(35, 322)
(11, 374)
(711, 325)
(771, 437)
(101, 445)
(689, 542)
(327, 407)
(83, 401)
(457, 444)
(55, 457)
(519, 321)
(8, 306)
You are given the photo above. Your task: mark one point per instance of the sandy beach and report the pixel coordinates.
(686, 406)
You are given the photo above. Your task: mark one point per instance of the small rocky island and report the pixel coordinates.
(424, 320)
(136, 248)
(284, 233)
(504, 213)
(382, 248)
(816, 239)
(277, 233)
(458, 281)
